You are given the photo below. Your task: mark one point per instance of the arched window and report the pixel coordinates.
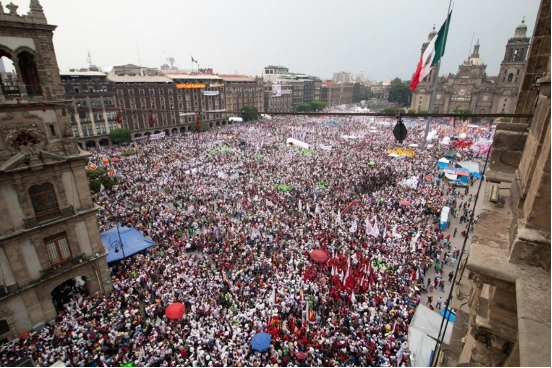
(43, 198)
(29, 73)
(510, 77)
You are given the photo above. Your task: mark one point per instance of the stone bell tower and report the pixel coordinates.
(48, 227)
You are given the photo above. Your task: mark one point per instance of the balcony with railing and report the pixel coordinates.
(15, 91)
(58, 214)
(61, 268)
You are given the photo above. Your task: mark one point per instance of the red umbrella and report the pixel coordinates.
(175, 310)
(404, 202)
(115, 159)
(429, 177)
(319, 256)
(301, 355)
(462, 173)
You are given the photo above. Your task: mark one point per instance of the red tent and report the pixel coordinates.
(319, 256)
(404, 202)
(175, 310)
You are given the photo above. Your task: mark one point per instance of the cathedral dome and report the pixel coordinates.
(521, 30)
(475, 61)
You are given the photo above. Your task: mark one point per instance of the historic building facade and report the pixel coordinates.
(243, 91)
(471, 88)
(48, 227)
(92, 107)
(336, 93)
(504, 319)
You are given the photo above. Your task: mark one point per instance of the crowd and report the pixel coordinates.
(235, 213)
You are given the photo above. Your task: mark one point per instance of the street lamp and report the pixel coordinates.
(117, 244)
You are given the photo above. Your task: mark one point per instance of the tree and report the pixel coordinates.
(369, 95)
(317, 105)
(462, 110)
(97, 178)
(393, 110)
(399, 92)
(250, 113)
(120, 136)
(304, 107)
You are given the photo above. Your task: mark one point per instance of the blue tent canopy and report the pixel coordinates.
(132, 241)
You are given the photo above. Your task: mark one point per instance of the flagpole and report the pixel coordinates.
(435, 78)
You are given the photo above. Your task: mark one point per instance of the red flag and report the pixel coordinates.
(151, 121)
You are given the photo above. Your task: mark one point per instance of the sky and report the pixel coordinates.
(380, 39)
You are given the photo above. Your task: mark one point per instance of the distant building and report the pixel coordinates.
(343, 77)
(471, 88)
(92, 109)
(303, 88)
(242, 91)
(134, 70)
(336, 93)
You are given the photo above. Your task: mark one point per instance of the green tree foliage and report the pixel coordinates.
(204, 126)
(129, 152)
(304, 107)
(317, 105)
(505, 120)
(393, 110)
(250, 113)
(98, 177)
(461, 110)
(399, 92)
(120, 136)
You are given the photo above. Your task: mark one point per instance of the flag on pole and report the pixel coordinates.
(432, 54)
(194, 60)
(102, 188)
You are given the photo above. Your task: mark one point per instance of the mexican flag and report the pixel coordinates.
(432, 54)
(194, 60)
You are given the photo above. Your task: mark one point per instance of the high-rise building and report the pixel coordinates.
(48, 228)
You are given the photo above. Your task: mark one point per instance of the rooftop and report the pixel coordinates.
(138, 79)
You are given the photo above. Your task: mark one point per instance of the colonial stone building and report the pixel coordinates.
(504, 319)
(48, 227)
(92, 108)
(242, 91)
(336, 93)
(471, 88)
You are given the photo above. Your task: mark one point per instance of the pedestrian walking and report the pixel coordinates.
(439, 303)
(455, 231)
(451, 275)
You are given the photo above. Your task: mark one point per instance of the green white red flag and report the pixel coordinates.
(432, 54)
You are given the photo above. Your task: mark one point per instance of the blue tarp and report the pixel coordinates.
(132, 240)
(451, 316)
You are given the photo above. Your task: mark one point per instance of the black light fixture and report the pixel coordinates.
(400, 131)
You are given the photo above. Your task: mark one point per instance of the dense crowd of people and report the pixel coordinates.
(235, 214)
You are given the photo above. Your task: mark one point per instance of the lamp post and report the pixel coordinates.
(117, 244)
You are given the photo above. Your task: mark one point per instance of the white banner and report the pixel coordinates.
(276, 90)
(210, 93)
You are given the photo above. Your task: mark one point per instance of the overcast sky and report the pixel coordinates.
(381, 39)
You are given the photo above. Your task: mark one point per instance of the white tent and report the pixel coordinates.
(235, 119)
(451, 176)
(413, 145)
(423, 333)
(267, 117)
(445, 140)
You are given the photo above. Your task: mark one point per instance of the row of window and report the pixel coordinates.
(95, 102)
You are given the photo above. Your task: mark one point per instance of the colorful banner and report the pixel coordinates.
(189, 85)
(401, 151)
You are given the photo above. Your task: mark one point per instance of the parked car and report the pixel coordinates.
(459, 183)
